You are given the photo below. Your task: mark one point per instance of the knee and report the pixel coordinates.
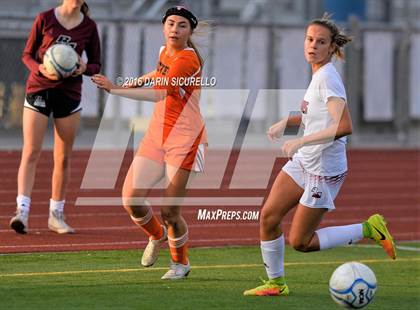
(170, 216)
(129, 206)
(31, 155)
(268, 220)
(127, 195)
(298, 243)
(134, 205)
(62, 161)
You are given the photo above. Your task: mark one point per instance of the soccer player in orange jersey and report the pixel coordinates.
(174, 144)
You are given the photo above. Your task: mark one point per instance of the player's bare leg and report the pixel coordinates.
(65, 130)
(142, 176)
(284, 196)
(34, 128)
(177, 227)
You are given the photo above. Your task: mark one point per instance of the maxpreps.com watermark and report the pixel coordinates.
(223, 215)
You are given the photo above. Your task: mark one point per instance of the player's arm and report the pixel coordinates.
(276, 130)
(32, 45)
(93, 53)
(184, 67)
(142, 94)
(141, 81)
(31, 48)
(340, 126)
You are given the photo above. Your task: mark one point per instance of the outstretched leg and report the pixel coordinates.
(304, 238)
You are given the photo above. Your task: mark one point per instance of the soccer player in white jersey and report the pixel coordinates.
(312, 177)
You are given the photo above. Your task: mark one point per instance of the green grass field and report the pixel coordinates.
(114, 279)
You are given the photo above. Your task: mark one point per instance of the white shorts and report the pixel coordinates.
(319, 191)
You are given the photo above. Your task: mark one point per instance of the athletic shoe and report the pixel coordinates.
(269, 288)
(151, 252)
(19, 222)
(381, 235)
(56, 223)
(177, 271)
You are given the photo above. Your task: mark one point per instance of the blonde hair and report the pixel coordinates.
(338, 37)
(199, 34)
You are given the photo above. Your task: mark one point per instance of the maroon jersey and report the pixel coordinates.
(47, 31)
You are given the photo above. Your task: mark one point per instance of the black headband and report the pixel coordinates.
(181, 11)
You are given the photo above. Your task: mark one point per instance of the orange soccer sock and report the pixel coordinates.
(179, 249)
(150, 225)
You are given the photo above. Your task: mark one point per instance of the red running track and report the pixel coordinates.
(385, 181)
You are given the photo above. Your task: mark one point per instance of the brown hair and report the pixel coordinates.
(338, 37)
(85, 9)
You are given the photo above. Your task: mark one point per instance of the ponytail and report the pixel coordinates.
(199, 38)
(194, 47)
(85, 9)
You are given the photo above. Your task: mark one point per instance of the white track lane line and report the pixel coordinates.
(124, 243)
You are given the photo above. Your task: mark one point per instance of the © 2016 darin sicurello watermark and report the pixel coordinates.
(166, 81)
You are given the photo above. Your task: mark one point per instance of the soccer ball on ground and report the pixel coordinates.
(61, 60)
(353, 285)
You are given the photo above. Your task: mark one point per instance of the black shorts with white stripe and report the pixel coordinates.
(52, 101)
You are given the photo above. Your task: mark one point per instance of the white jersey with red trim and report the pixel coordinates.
(327, 159)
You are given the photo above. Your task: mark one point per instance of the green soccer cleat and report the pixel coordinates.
(269, 288)
(378, 232)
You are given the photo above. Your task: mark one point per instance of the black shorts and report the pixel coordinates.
(52, 101)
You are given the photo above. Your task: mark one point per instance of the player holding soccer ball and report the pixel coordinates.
(174, 145)
(311, 179)
(47, 94)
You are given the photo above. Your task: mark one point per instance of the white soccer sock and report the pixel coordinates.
(57, 205)
(331, 237)
(273, 256)
(23, 202)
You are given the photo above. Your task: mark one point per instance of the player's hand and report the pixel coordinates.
(276, 130)
(103, 82)
(81, 67)
(45, 73)
(290, 147)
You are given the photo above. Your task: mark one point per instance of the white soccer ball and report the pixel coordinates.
(353, 285)
(61, 60)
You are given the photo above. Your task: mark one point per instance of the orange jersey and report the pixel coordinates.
(176, 119)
